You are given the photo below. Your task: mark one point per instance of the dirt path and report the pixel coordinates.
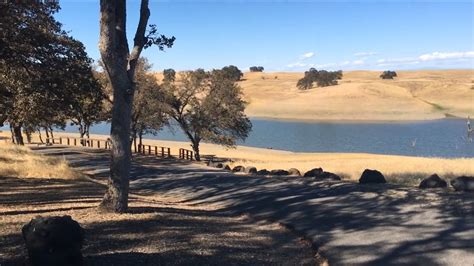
(352, 224)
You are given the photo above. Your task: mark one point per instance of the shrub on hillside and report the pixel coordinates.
(256, 69)
(388, 74)
(322, 78)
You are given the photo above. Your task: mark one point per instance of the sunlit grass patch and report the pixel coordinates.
(19, 161)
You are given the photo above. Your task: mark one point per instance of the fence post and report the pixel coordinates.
(75, 142)
(169, 152)
(98, 143)
(68, 141)
(61, 140)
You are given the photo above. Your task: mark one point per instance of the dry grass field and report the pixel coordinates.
(16, 161)
(361, 95)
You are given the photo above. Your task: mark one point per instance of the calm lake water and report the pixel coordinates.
(439, 138)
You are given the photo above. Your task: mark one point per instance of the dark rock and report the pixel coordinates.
(226, 167)
(263, 172)
(250, 170)
(327, 176)
(294, 172)
(434, 181)
(463, 183)
(279, 172)
(238, 168)
(313, 172)
(54, 241)
(371, 177)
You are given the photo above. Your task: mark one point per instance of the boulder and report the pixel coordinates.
(463, 183)
(279, 172)
(313, 172)
(55, 240)
(372, 177)
(434, 181)
(238, 168)
(226, 167)
(250, 170)
(294, 172)
(327, 176)
(263, 172)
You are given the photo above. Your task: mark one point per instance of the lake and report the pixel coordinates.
(438, 138)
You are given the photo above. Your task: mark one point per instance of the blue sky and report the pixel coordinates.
(296, 35)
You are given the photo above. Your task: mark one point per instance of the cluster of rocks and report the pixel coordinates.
(461, 183)
(369, 176)
(316, 173)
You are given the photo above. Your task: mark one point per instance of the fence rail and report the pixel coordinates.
(185, 154)
(163, 152)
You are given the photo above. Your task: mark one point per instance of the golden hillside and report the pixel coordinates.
(362, 95)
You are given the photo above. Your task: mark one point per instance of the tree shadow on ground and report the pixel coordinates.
(150, 234)
(382, 224)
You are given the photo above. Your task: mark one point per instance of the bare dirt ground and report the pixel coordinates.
(350, 224)
(154, 232)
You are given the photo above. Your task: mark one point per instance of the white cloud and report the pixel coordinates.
(365, 53)
(297, 64)
(358, 62)
(307, 55)
(448, 55)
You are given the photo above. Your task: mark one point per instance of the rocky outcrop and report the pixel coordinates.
(434, 181)
(54, 241)
(372, 177)
(463, 183)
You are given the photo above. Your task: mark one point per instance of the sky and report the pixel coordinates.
(295, 35)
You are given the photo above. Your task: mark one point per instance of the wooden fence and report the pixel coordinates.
(185, 154)
(163, 152)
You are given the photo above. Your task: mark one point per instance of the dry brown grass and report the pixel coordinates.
(361, 95)
(18, 161)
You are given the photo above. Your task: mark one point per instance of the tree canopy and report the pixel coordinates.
(388, 74)
(208, 106)
(232, 73)
(322, 78)
(46, 77)
(256, 69)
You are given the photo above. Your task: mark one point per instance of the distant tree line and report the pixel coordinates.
(256, 69)
(322, 78)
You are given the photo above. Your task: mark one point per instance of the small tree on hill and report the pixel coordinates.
(322, 78)
(388, 74)
(232, 73)
(209, 107)
(256, 69)
(169, 75)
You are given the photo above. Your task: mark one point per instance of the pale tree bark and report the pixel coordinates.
(119, 64)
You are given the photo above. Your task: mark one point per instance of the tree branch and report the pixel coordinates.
(139, 40)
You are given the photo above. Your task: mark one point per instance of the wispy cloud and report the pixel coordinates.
(307, 55)
(446, 55)
(365, 53)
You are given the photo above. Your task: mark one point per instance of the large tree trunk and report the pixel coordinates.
(17, 134)
(195, 146)
(120, 65)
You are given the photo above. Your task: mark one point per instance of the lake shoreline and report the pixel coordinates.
(348, 165)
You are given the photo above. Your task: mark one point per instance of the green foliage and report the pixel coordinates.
(46, 76)
(169, 75)
(232, 73)
(208, 106)
(256, 69)
(322, 78)
(388, 74)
